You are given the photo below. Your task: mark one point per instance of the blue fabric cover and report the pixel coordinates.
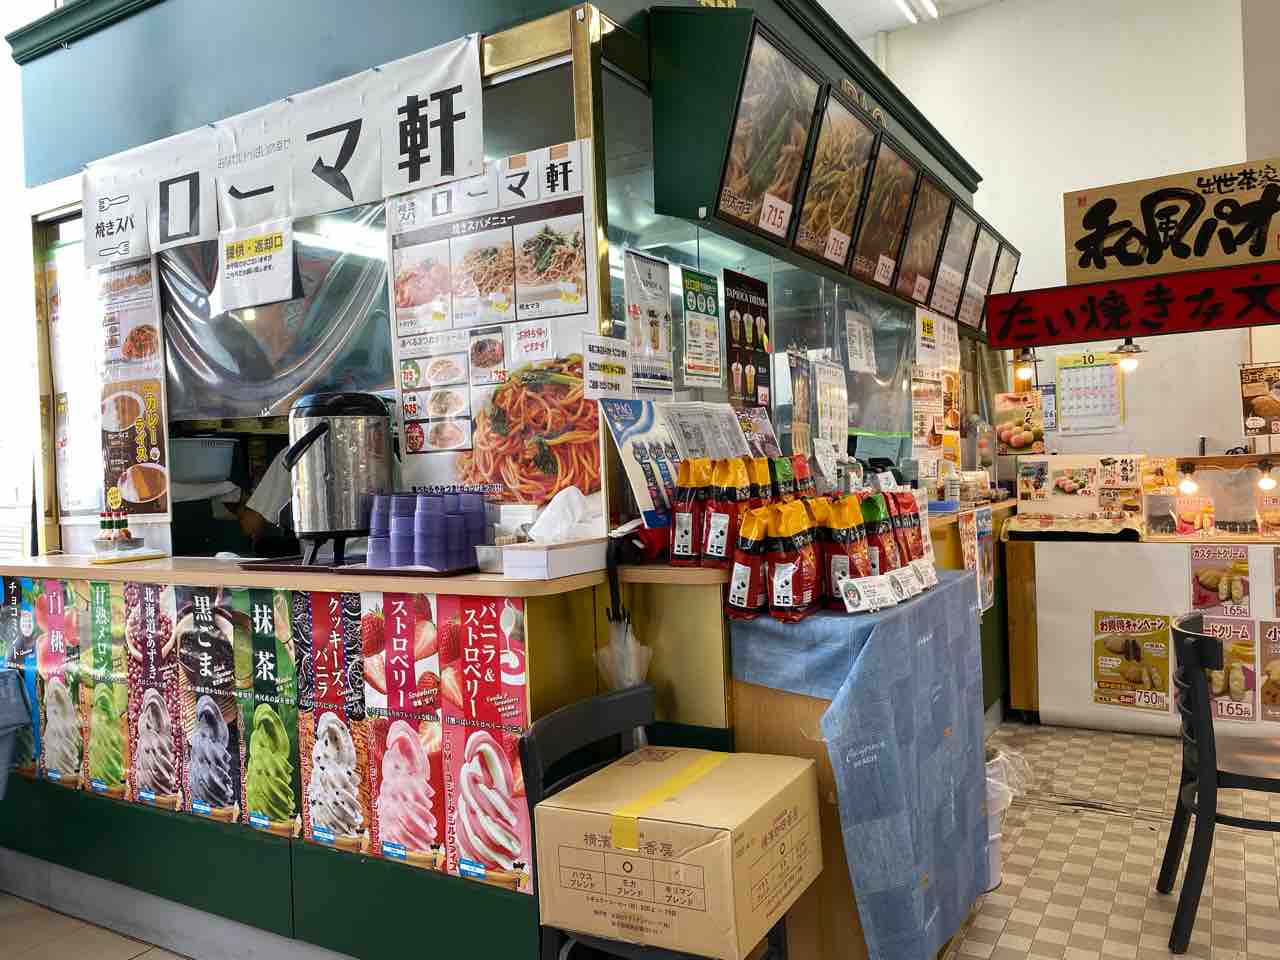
(905, 735)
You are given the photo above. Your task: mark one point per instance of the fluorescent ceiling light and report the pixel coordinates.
(907, 11)
(930, 8)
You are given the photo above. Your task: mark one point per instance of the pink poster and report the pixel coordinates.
(485, 710)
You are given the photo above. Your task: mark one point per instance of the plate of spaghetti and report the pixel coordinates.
(536, 435)
(552, 260)
(484, 270)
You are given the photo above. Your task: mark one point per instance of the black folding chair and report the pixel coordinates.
(1209, 764)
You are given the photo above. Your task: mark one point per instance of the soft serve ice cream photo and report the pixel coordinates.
(157, 772)
(58, 659)
(269, 713)
(104, 686)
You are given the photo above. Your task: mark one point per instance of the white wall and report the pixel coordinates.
(1048, 96)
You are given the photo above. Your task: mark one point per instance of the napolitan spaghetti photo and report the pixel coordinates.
(537, 435)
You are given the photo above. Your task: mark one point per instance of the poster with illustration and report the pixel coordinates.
(647, 285)
(58, 663)
(1233, 690)
(333, 737)
(1131, 660)
(104, 692)
(749, 332)
(267, 689)
(967, 524)
(1019, 423)
(986, 557)
(211, 653)
(157, 775)
(801, 404)
(32, 622)
(1269, 675)
(1076, 482)
(1033, 480)
(484, 703)
(649, 457)
(398, 637)
(1220, 580)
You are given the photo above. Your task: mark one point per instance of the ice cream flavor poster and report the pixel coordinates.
(33, 615)
(398, 636)
(1233, 690)
(1220, 580)
(485, 710)
(157, 773)
(333, 739)
(1269, 691)
(105, 691)
(207, 638)
(268, 694)
(58, 661)
(1131, 660)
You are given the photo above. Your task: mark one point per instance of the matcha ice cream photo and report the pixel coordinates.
(106, 743)
(269, 780)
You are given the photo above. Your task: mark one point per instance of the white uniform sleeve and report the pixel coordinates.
(273, 492)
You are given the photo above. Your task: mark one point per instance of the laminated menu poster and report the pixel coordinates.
(1220, 580)
(647, 290)
(1019, 422)
(333, 736)
(157, 774)
(978, 281)
(801, 404)
(833, 192)
(1260, 399)
(494, 282)
(1131, 660)
(267, 691)
(831, 395)
(58, 662)
(927, 423)
(884, 217)
(484, 711)
(25, 607)
(967, 525)
(746, 307)
(649, 457)
(398, 636)
(1269, 691)
(956, 247)
(757, 428)
(704, 429)
(703, 366)
(1233, 690)
(212, 654)
(986, 557)
(104, 691)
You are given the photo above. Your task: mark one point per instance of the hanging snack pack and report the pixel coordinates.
(819, 510)
(881, 543)
(908, 521)
(899, 528)
(784, 479)
(693, 485)
(761, 482)
(729, 499)
(805, 486)
(844, 548)
(747, 594)
(793, 563)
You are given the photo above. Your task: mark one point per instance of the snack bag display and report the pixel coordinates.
(104, 691)
(899, 529)
(761, 482)
(211, 730)
(333, 739)
(805, 486)
(783, 475)
(406, 750)
(731, 493)
(793, 563)
(747, 595)
(157, 775)
(484, 710)
(58, 665)
(844, 548)
(693, 487)
(819, 511)
(908, 521)
(267, 688)
(882, 544)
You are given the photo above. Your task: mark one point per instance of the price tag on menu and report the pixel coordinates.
(884, 270)
(868, 593)
(927, 575)
(837, 246)
(884, 481)
(906, 580)
(775, 215)
(824, 455)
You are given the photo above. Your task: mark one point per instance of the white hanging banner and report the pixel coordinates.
(334, 146)
(182, 204)
(115, 212)
(254, 169)
(428, 110)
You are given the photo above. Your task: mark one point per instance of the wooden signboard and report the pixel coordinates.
(1189, 221)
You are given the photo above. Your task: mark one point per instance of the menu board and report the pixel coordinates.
(979, 278)
(702, 329)
(135, 442)
(836, 178)
(647, 288)
(884, 216)
(801, 413)
(924, 236)
(927, 424)
(955, 257)
(494, 285)
(1006, 268)
(1260, 398)
(746, 304)
(831, 395)
(770, 137)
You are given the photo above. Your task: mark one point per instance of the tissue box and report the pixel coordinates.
(687, 850)
(548, 561)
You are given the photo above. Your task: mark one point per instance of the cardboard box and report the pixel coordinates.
(687, 850)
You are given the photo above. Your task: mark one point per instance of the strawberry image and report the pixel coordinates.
(375, 672)
(451, 685)
(449, 641)
(372, 633)
(430, 737)
(422, 607)
(424, 639)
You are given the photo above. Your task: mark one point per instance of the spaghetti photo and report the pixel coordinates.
(537, 435)
(485, 271)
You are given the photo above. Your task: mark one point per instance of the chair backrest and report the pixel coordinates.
(1196, 653)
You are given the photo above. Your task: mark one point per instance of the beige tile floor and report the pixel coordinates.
(1082, 850)
(31, 932)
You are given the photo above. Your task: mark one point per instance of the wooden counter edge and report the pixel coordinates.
(208, 572)
(664, 574)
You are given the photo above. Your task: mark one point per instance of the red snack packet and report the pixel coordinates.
(730, 496)
(747, 595)
(899, 528)
(693, 485)
(909, 520)
(805, 486)
(881, 543)
(819, 510)
(761, 482)
(845, 552)
(793, 563)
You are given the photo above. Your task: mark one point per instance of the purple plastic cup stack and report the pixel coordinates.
(403, 506)
(379, 553)
(428, 532)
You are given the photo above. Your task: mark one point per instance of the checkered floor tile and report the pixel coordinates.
(1082, 851)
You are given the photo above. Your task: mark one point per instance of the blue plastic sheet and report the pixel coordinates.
(905, 735)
